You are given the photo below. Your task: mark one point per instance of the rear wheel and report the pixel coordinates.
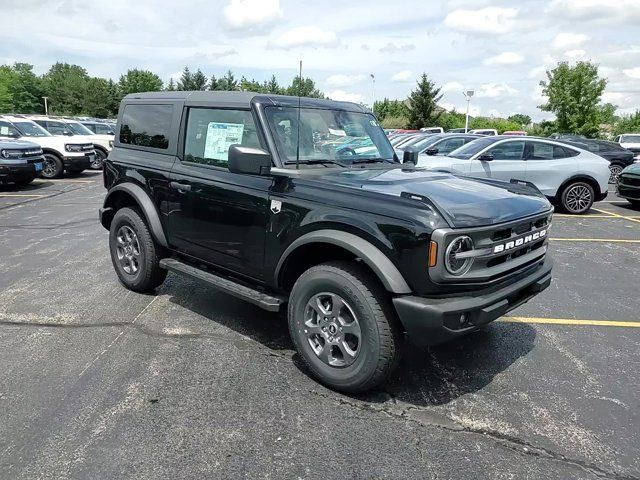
(577, 197)
(343, 326)
(615, 170)
(52, 167)
(134, 253)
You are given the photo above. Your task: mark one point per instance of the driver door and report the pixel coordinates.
(508, 162)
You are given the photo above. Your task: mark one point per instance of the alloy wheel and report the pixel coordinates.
(49, 169)
(615, 173)
(332, 329)
(128, 250)
(578, 198)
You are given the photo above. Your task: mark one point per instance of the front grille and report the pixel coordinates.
(87, 147)
(497, 251)
(629, 180)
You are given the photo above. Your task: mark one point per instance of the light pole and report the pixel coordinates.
(468, 94)
(46, 108)
(373, 91)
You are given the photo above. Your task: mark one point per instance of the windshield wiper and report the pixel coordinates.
(372, 160)
(315, 161)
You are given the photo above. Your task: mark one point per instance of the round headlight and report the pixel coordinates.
(4, 153)
(458, 266)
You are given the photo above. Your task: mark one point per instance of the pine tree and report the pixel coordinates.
(214, 83)
(186, 80)
(198, 81)
(423, 104)
(171, 87)
(272, 86)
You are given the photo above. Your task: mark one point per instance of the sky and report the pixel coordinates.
(499, 49)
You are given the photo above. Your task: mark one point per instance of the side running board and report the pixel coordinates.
(262, 300)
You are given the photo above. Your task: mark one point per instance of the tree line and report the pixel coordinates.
(71, 91)
(573, 94)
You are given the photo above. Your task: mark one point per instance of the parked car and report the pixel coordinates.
(60, 153)
(484, 131)
(100, 128)
(629, 184)
(442, 144)
(359, 255)
(630, 141)
(63, 126)
(432, 130)
(20, 161)
(569, 177)
(457, 130)
(566, 136)
(618, 156)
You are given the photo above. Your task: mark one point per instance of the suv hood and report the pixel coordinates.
(464, 201)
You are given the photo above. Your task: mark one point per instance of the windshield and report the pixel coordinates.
(8, 130)
(79, 129)
(630, 139)
(470, 149)
(327, 135)
(30, 129)
(424, 143)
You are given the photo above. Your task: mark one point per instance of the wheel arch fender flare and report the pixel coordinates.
(371, 255)
(51, 151)
(577, 178)
(145, 204)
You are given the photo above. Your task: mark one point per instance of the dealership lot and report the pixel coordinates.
(98, 381)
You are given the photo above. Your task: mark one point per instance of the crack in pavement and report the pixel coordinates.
(507, 441)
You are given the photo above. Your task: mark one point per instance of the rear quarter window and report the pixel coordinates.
(146, 125)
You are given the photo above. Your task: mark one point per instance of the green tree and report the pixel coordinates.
(228, 82)
(573, 95)
(102, 99)
(395, 122)
(303, 87)
(390, 108)
(136, 81)
(25, 89)
(272, 86)
(452, 119)
(66, 86)
(251, 86)
(171, 86)
(500, 124)
(199, 81)
(214, 83)
(423, 104)
(627, 124)
(7, 79)
(186, 80)
(520, 118)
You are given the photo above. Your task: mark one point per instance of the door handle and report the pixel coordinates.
(181, 187)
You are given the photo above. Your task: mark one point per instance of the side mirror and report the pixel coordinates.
(68, 133)
(485, 157)
(253, 161)
(432, 151)
(410, 156)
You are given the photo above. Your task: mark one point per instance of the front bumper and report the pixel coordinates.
(629, 187)
(430, 321)
(78, 163)
(21, 171)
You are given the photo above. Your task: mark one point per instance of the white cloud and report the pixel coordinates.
(452, 87)
(403, 76)
(310, 36)
(612, 97)
(624, 10)
(537, 72)
(568, 40)
(577, 53)
(252, 14)
(342, 96)
(632, 73)
(488, 20)
(394, 48)
(505, 58)
(494, 90)
(340, 80)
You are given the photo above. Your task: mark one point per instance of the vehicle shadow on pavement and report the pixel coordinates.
(425, 376)
(440, 374)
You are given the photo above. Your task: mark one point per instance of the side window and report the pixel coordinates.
(146, 125)
(8, 130)
(508, 151)
(541, 151)
(102, 129)
(449, 145)
(210, 133)
(57, 128)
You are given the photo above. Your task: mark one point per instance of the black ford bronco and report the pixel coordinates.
(302, 204)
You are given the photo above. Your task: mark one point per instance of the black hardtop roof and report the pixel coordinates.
(244, 99)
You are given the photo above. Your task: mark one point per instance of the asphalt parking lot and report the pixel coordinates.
(100, 382)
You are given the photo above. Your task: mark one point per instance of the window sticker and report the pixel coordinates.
(220, 136)
(4, 130)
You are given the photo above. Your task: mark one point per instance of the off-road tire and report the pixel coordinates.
(149, 274)
(100, 158)
(381, 335)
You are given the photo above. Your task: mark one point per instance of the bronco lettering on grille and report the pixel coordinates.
(519, 242)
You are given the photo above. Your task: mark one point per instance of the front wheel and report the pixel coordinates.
(134, 253)
(343, 326)
(99, 158)
(577, 198)
(53, 167)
